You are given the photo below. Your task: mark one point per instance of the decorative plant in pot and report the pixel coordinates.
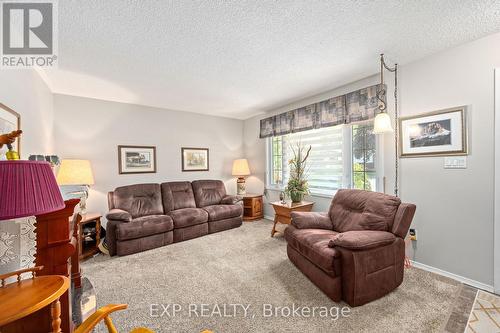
(297, 185)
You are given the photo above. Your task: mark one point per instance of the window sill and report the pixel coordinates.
(316, 195)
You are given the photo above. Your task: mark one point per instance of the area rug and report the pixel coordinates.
(241, 280)
(485, 314)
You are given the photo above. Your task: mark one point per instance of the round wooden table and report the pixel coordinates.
(20, 299)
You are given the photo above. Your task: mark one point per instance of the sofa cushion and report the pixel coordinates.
(177, 195)
(363, 210)
(221, 212)
(362, 240)
(144, 226)
(208, 192)
(186, 217)
(313, 244)
(139, 200)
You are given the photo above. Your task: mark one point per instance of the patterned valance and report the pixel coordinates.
(352, 107)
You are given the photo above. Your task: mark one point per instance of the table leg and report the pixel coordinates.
(274, 225)
(55, 314)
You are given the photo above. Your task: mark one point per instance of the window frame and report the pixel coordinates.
(347, 163)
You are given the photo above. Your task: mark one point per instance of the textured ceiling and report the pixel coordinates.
(240, 58)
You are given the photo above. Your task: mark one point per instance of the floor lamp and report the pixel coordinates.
(382, 122)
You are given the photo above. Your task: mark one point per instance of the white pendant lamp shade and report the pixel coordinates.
(382, 124)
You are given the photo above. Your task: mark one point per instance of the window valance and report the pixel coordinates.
(355, 106)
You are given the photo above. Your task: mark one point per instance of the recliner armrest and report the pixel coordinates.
(230, 200)
(119, 215)
(311, 220)
(362, 240)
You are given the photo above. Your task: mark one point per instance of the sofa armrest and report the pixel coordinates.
(230, 200)
(111, 227)
(362, 240)
(119, 215)
(311, 220)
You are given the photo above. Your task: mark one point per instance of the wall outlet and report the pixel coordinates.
(413, 234)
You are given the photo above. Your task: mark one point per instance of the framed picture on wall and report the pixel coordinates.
(194, 159)
(437, 133)
(10, 121)
(136, 159)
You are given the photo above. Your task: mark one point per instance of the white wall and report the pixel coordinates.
(496, 256)
(92, 129)
(26, 93)
(454, 218)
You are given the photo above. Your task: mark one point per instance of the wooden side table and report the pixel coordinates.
(25, 297)
(282, 212)
(252, 207)
(89, 227)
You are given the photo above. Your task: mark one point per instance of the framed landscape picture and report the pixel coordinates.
(10, 121)
(136, 159)
(194, 159)
(436, 133)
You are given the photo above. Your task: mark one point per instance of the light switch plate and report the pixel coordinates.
(455, 162)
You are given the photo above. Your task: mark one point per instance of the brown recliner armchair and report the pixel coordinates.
(356, 251)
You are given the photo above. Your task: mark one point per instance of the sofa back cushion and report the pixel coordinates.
(363, 210)
(177, 195)
(208, 192)
(139, 200)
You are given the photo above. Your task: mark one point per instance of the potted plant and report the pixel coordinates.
(297, 185)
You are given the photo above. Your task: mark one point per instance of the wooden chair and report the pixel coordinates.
(103, 313)
(18, 274)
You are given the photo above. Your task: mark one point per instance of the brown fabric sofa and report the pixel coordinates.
(356, 251)
(146, 216)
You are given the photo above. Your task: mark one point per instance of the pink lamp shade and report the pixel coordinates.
(27, 188)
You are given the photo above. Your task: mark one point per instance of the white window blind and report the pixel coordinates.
(325, 165)
(344, 156)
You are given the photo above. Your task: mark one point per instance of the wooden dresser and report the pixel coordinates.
(253, 208)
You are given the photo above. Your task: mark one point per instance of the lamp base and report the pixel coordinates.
(240, 186)
(83, 205)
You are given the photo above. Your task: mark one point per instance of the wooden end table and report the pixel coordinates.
(87, 249)
(252, 207)
(282, 212)
(25, 297)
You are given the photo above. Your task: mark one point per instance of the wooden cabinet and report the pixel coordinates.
(89, 233)
(252, 207)
(56, 252)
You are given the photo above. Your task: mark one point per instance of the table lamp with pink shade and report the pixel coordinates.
(28, 188)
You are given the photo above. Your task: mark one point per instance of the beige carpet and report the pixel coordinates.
(247, 266)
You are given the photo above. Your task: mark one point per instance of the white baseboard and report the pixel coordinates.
(459, 278)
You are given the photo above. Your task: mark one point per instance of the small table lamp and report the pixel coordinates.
(77, 172)
(241, 169)
(27, 188)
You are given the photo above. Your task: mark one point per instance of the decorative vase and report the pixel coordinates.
(296, 196)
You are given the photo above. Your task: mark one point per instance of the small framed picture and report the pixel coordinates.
(10, 121)
(194, 159)
(436, 133)
(136, 159)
